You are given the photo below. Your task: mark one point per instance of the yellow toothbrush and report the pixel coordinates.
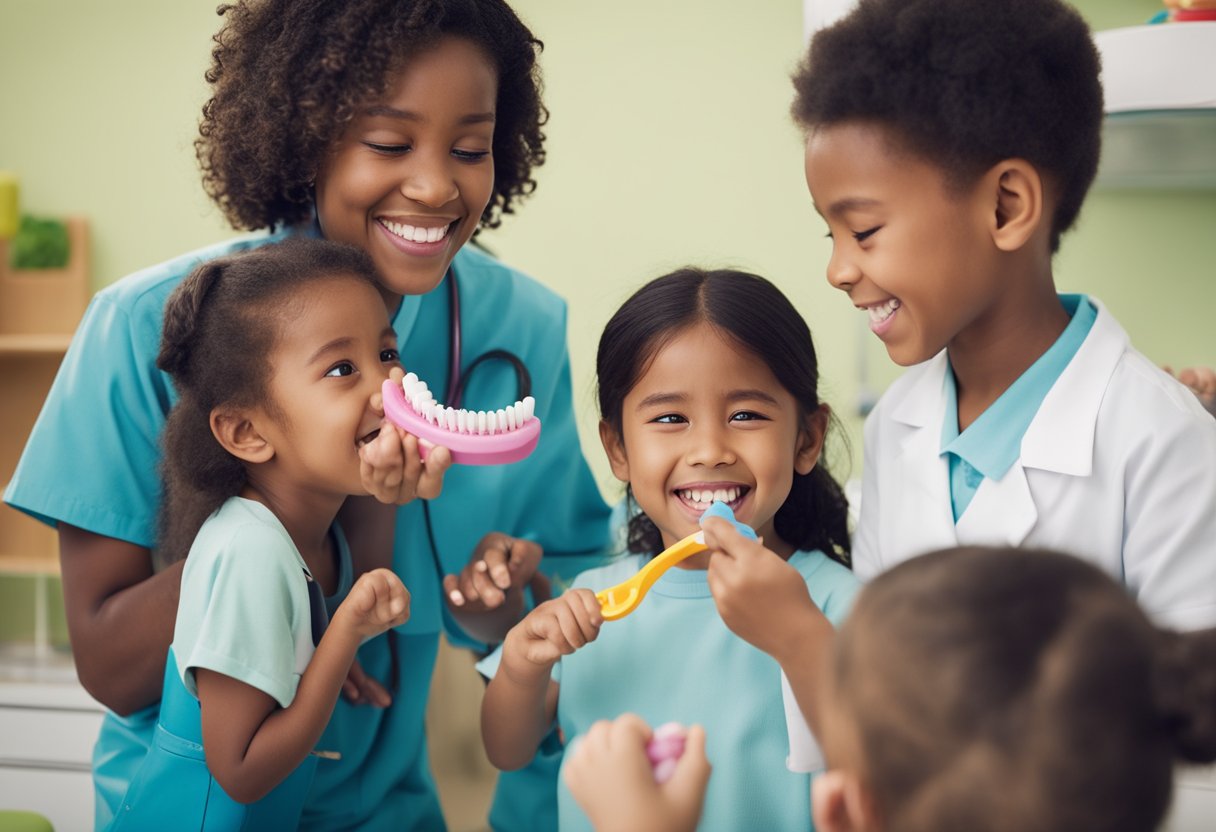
(620, 600)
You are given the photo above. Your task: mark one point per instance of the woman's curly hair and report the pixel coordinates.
(287, 76)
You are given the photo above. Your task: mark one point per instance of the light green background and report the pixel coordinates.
(670, 143)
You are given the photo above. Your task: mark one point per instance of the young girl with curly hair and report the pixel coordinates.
(400, 127)
(261, 450)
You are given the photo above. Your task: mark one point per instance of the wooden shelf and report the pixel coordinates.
(39, 311)
(34, 344)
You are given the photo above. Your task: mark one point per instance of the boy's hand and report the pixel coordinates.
(1202, 381)
(377, 602)
(499, 564)
(554, 629)
(611, 778)
(391, 468)
(761, 598)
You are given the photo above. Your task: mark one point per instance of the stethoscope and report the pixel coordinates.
(458, 378)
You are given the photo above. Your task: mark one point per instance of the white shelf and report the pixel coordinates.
(1159, 84)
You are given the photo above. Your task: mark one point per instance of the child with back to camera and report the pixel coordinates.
(402, 127)
(973, 688)
(278, 355)
(708, 391)
(949, 146)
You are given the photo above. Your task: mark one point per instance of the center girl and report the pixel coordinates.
(708, 390)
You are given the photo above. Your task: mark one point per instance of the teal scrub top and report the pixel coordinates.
(670, 661)
(92, 461)
(991, 444)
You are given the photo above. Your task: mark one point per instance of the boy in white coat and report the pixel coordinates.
(949, 145)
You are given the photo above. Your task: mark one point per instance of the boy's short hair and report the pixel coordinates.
(965, 84)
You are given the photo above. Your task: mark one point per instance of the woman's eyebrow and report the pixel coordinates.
(409, 115)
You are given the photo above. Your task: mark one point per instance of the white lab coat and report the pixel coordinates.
(1118, 467)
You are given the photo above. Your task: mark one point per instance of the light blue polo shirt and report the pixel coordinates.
(674, 660)
(991, 444)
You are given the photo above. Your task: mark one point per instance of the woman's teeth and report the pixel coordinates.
(416, 233)
(706, 496)
(880, 313)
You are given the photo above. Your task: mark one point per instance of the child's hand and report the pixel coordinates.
(391, 468)
(1202, 381)
(377, 602)
(554, 629)
(761, 598)
(499, 564)
(611, 778)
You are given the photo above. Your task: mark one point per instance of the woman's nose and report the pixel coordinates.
(430, 183)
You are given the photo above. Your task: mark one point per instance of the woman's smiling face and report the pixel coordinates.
(708, 420)
(412, 173)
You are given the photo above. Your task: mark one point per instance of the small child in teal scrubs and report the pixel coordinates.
(972, 688)
(708, 392)
(278, 355)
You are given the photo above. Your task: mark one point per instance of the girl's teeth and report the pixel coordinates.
(880, 313)
(706, 496)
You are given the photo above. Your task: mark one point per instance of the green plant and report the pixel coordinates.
(40, 244)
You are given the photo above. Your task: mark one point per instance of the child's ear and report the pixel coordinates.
(839, 803)
(1017, 188)
(238, 435)
(810, 439)
(614, 447)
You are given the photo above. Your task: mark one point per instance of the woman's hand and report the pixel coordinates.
(499, 564)
(610, 776)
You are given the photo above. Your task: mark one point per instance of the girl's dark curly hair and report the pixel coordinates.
(965, 84)
(220, 327)
(287, 76)
(760, 319)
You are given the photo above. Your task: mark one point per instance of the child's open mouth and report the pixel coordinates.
(368, 439)
(699, 498)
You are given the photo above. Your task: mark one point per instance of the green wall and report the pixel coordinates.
(669, 143)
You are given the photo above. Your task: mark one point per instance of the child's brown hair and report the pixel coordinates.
(1006, 689)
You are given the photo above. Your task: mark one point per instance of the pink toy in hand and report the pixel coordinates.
(665, 749)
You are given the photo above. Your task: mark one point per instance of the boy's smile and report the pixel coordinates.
(909, 251)
(707, 421)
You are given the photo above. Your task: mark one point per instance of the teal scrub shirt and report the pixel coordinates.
(92, 459)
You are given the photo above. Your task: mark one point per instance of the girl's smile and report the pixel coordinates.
(707, 421)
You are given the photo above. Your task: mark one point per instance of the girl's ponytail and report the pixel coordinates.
(1185, 688)
(184, 313)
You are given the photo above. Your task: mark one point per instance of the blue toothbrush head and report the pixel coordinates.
(721, 509)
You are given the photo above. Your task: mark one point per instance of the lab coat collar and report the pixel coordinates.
(1061, 436)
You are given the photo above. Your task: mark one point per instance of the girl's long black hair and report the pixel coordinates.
(757, 316)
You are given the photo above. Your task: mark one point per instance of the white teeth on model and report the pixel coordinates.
(484, 422)
(416, 233)
(705, 496)
(880, 313)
